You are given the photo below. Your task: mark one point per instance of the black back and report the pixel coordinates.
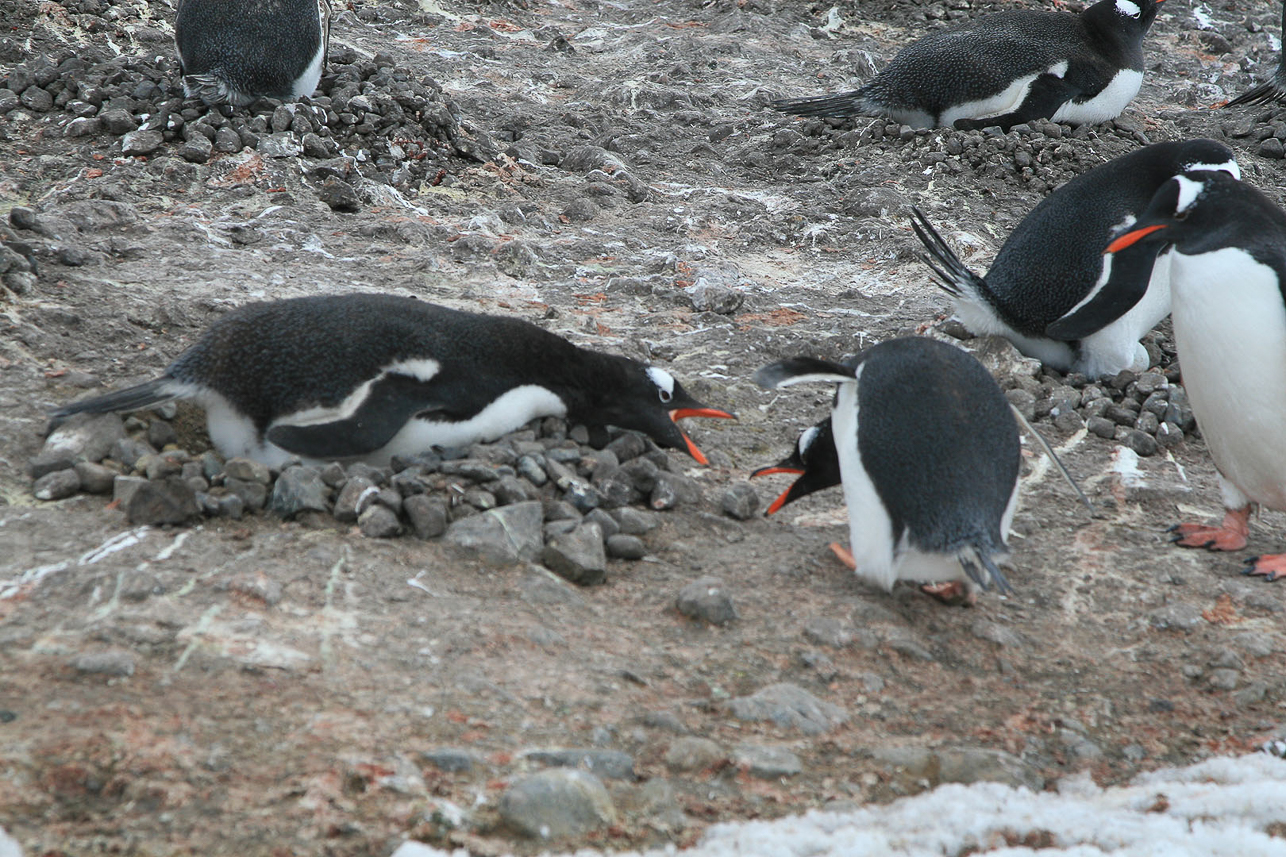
(259, 47)
(938, 440)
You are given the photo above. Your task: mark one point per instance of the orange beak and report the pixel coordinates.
(680, 413)
(777, 468)
(781, 499)
(1132, 237)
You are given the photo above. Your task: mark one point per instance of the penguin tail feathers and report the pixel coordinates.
(954, 277)
(800, 370)
(840, 106)
(212, 89)
(146, 395)
(1268, 92)
(972, 558)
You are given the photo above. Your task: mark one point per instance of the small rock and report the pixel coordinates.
(826, 631)
(1179, 617)
(279, 145)
(540, 586)
(253, 495)
(766, 763)
(501, 536)
(712, 297)
(635, 522)
(610, 764)
(705, 599)
(379, 522)
(81, 438)
(672, 490)
(428, 515)
(117, 662)
(250, 471)
(58, 485)
(1249, 695)
(578, 555)
(451, 760)
(124, 487)
(557, 804)
(622, 546)
(1224, 679)
(299, 489)
(95, 478)
(790, 707)
(197, 149)
(692, 753)
(171, 501)
(354, 498)
(141, 142)
(995, 633)
(740, 501)
(339, 195)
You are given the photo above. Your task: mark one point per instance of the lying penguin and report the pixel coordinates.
(368, 376)
(1228, 278)
(1007, 68)
(235, 51)
(1051, 291)
(929, 459)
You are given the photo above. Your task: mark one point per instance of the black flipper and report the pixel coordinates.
(391, 401)
(1127, 283)
(797, 370)
(153, 392)
(1047, 94)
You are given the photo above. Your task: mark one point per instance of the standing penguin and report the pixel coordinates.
(235, 51)
(813, 459)
(1007, 68)
(1051, 291)
(929, 458)
(1273, 89)
(1228, 281)
(367, 377)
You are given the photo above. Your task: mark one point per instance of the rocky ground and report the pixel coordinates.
(340, 676)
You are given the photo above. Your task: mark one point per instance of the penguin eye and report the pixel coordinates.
(665, 395)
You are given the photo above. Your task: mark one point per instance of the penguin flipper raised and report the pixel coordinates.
(799, 370)
(389, 403)
(1123, 284)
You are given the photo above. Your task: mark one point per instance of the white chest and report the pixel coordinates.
(1108, 104)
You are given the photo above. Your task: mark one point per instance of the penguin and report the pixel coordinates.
(1228, 285)
(929, 458)
(369, 376)
(1051, 291)
(235, 51)
(1273, 89)
(1007, 68)
(813, 459)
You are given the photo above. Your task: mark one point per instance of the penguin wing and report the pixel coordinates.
(1121, 285)
(799, 370)
(1048, 92)
(389, 403)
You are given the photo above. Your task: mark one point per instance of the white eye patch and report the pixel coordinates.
(1189, 190)
(1130, 10)
(806, 440)
(664, 382)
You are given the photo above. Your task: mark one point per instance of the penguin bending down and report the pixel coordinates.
(1273, 89)
(1228, 281)
(1007, 68)
(813, 459)
(928, 456)
(235, 51)
(367, 377)
(1051, 291)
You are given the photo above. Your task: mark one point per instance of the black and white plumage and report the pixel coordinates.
(1273, 89)
(366, 377)
(929, 458)
(1228, 283)
(1051, 290)
(813, 459)
(1007, 68)
(235, 51)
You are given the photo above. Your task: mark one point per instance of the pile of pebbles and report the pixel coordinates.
(564, 496)
(396, 129)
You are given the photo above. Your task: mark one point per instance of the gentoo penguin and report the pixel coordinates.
(1273, 89)
(366, 377)
(235, 51)
(1051, 291)
(813, 459)
(1007, 68)
(1228, 286)
(929, 458)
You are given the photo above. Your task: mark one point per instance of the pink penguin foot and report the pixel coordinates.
(1270, 566)
(844, 556)
(1228, 536)
(951, 592)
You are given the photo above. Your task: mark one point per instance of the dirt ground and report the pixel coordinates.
(285, 683)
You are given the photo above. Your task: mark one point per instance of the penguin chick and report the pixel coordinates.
(1273, 89)
(814, 459)
(1051, 291)
(1007, 68)
(235, 51)
(1227, 275)
(928, 456)
(366, 377)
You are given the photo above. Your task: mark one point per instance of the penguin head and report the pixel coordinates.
(1188, 211)
(1130, 16)
(653, 403)
(814, 459)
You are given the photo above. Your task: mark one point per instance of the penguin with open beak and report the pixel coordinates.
(929, 458)
(369, 376)
(814, 460)
(1227, 279)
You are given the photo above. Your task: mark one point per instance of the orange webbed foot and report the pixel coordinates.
(1270, 566)
(1228, 536)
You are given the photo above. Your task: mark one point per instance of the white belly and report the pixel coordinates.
(1116, 346)
(307, 82)
(1108, 104)
(870, 530)
(1230, 328)
(1007, 100)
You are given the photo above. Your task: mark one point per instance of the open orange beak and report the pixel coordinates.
(777, 468)
(1132, 237)
(680, 413)
(781, 499)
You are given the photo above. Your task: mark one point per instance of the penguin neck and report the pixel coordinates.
(593, 379)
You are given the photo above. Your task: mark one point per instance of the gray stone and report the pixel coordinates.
(339, 195)
(128, 451)
(1224, 679)
(1255, 643)
(530, 468)
(740, 501)
(713, 297)
(230, 506)
(253, 495)
(501, 536)
(451, 759)
(556, 804)
(160, 434)
(766, 763)
(354, 498)
(112, 662)
(197, 149)
(995, 633)
(1178, 617)
(299, 489)
(693, 753)
(635, 522)
(622, 546)
(976, 765)
(171, 501)
(827, 631)
(578, 555)
(379, 522)
(790, 707)
(279, 145)
(428, 515)
(227, 141)
(83, 126)
(118, 121)
(82, 438)
(141, 142)
(57, 485)
(511, 489)
(1251, 694)
(609, 764)
(123, 488)
(540, 586)
(95, 478)
(706, 599)
(250, 471)
(628, 446)
(159, 465)
(672, 490)
(605, 522)
(615, 487)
